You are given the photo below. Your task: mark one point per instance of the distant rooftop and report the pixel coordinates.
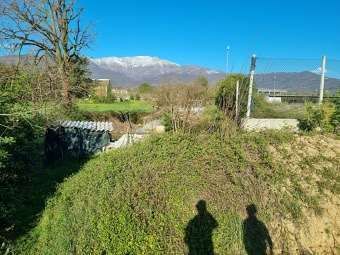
(90, 125)
(101, 79)
(266, 90)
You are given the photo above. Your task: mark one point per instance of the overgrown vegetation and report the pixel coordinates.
(139, 200)
(144, 88)
(264, 109)
(180, 104)
(38, 90)
(226, 95)
(24, 112)
(51, 31)
(324, 117)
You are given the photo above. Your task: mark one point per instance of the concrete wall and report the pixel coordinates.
(260, 124)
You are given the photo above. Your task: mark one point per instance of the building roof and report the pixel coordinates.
(267, 90)
(90, 125)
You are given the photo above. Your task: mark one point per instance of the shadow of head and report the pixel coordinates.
(201, 207)
(256, 236)
(199, 231)
(251, 210)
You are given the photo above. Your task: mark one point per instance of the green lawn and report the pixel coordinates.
(126, 106)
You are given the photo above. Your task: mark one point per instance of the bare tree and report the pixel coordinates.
(181, 102)
(50, 29)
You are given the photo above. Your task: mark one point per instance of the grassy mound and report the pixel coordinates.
(143, 199)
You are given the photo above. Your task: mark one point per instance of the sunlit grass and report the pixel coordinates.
(125, 106)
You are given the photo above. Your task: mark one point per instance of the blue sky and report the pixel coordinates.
(198, 31)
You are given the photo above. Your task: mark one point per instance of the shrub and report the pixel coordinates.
(226, 94)
(201, 81)
(144, 88)
(167, 122)
(335, 119)
(179, 101)
(101, 99)
(214, 121)
(318, 117)
(24, 115)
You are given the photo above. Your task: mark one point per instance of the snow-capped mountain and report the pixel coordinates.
(131, 62)
(132, 71)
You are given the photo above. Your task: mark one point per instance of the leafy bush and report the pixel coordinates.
(335, 120)
(201, 81)
(110, 98)
(226, 94)
(318, 117)
(144, 88)
(21, 145)
(22, 126)
(5, 142)
(180, 102)
(214, 121)
(167, 122)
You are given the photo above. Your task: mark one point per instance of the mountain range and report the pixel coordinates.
(132, 71)
(295, 81)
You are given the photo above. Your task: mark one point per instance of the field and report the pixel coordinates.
(117, 107)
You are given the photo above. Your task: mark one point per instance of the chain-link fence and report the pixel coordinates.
(283, 86)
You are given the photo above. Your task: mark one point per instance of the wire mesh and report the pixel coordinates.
(332, 76)
(283, 86)
(293, 75)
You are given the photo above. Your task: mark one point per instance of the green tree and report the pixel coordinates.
(51, 29)
(144, 88)
(201, 81)
(226, 94)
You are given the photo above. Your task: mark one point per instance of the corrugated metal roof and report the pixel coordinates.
(91, 125)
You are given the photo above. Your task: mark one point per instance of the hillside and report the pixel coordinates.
(295, 81)
(141, 200)
(132, 71)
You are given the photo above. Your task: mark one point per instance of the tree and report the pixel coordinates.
(50, 29)
(226, 94)
(180, 103)
(201, 81)
(144, 88)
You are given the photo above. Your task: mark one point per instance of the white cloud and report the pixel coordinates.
(318, 70)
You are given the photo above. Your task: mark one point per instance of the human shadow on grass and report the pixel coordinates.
(198, 233)
(256, 236)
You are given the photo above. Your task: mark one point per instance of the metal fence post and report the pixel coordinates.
(251, 81)
(237, 100)
(322, 80)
